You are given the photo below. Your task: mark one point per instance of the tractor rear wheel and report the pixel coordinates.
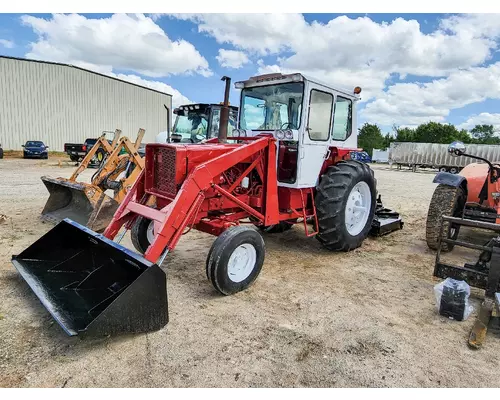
(142, 234)
(345, 205)
(235, 259)
(446, 200)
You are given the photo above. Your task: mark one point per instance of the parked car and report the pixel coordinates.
(77, 152)
(35, 149)
(1, 151)
(362, 156)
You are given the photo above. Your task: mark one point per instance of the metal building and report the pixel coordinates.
(61, 103)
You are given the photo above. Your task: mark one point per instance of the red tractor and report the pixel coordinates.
(470, 199)
(287, 163)
(472, 194)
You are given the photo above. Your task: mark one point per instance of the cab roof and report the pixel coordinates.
(278, 77)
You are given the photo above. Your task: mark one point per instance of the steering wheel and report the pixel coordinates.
(290, 125)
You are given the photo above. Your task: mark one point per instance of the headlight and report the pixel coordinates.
(288, 134)
(280, 134)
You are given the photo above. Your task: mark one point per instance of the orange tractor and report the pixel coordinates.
(287, 163)
(470, 199)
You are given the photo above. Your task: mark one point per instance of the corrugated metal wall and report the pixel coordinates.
(60, 104)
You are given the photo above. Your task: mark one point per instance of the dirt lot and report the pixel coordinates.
(313, 318)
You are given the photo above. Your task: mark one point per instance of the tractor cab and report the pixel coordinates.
(197, 122)
(311, 122)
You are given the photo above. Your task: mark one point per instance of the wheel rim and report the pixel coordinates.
(150, 232)
(241, 263)
(442, 169)
(453, 170)
(358, 208)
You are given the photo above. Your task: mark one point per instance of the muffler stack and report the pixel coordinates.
(92, 285)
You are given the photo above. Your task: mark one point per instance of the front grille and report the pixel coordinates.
(164, 171)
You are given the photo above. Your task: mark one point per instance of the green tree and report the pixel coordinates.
(404, 134)
(484, 134)
(434, 132)
(388, 139)
(370, 137)
(464, 136)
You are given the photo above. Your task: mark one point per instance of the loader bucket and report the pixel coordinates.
(92, 285)
(81, 202)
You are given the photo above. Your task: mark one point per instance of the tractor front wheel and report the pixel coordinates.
(446, 200)
(345, 205)
(235, 259)
(142, 234)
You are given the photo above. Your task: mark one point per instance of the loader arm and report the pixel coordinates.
(101, 142)
(114, 165)
(181, 212)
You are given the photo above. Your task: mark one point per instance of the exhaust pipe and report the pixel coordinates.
(224, 115)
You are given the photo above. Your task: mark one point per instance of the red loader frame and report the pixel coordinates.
(206, 192)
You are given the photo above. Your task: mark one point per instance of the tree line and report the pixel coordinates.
(370, 136)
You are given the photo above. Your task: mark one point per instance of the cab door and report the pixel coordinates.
(316, 135)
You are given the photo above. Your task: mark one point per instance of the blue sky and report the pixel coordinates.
(413, 67)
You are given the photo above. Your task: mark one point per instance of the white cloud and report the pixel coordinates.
(261, 33)
(232, 58)
(8, 44)
(481, 119)
(416, 103)
(398, 46)
(122, 42)
(347, 52)
(126, 42)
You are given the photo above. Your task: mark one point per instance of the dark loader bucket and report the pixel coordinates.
(92, 285)
(80, 202)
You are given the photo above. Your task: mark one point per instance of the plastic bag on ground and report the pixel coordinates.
(452, 299)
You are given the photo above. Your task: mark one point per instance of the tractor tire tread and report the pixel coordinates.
(330, 201)
(445, 201)
(219, 255)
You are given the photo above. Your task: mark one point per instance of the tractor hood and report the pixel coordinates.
(167, 165)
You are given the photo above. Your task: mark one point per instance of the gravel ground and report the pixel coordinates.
(313, 318)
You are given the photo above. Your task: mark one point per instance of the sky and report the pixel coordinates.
(413, 68)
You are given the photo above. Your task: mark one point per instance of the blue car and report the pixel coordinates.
(35, 149)
(362, 156)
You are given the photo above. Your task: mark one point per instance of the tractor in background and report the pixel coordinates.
(286, 163)
(199, 122)
(473, 194)
(470, 199)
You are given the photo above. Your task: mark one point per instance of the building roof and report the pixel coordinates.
(83, 69)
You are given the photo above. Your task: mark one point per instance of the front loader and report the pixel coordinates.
(88, 203)
(285, 164)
